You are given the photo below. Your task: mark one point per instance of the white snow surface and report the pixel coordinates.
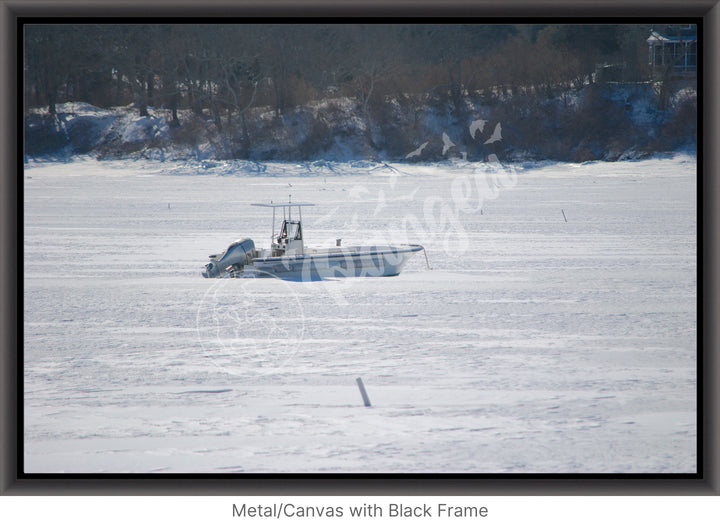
(533, 345)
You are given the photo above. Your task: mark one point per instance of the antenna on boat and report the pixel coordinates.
(272, 228)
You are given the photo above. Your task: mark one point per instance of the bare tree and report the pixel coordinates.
(47, 63)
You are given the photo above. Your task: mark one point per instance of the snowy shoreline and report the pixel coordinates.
(600, 122)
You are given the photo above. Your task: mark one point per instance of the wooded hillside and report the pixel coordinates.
(224, 83)
(229, 68)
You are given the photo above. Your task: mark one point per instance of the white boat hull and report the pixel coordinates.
(361, 261)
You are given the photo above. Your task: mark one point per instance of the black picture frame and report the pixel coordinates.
(15, 482)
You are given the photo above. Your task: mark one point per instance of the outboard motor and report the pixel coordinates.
(238, 255)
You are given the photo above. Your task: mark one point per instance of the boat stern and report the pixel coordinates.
(238, 255)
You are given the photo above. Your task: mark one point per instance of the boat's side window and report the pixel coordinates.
(283, 233)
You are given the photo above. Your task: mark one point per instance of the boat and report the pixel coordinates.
(289, 258)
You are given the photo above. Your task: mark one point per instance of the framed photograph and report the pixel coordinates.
(353, 254)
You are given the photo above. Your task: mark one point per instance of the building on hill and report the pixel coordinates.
(673, 51)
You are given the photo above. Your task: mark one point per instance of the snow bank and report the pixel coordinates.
(602, 122)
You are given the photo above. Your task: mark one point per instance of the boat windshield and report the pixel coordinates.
(291, 231)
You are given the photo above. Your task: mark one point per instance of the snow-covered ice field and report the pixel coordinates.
(533, 345)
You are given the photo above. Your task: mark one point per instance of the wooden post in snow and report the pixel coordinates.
(364, 394)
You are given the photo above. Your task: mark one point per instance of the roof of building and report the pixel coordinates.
(685, 36)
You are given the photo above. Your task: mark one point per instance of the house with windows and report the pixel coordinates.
(673, 51)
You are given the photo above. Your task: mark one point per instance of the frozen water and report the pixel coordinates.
(533, 345)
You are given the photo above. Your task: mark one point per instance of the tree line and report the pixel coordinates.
(226, 69)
